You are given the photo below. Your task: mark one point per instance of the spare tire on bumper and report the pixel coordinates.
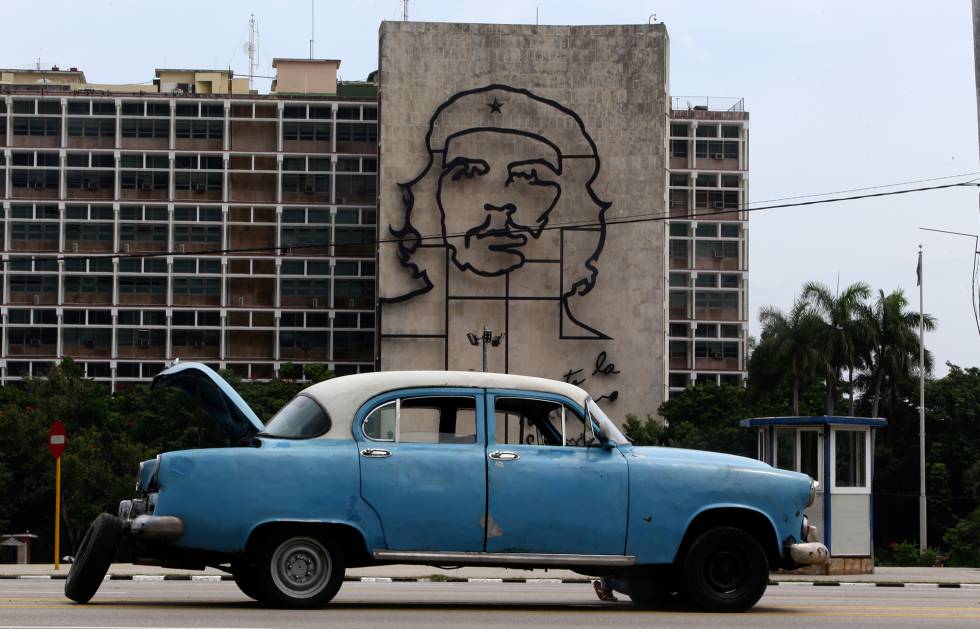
(94, 556)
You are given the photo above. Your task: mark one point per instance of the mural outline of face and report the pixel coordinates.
(484, 145)
(496, 200)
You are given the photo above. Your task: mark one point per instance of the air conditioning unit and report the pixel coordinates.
(37, 299)
(180, 248)
(718, 254)
(241, 300)
(316, 302)
(125, 247)
(74, 247)
(719, 156)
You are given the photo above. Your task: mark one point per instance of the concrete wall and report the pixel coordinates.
(591, 92)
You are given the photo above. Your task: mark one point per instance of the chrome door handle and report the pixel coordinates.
(502, 455)
(375, 452)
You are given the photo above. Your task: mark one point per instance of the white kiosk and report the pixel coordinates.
(839, 453)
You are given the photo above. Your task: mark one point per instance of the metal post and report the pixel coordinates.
(922, 418)
(487, 336)
(57, 513)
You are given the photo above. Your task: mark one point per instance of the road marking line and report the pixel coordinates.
(859, 584)
(484, 580)
(207, 577)
(35, 577)
(542, 581)
(148, 577)
(375, 579)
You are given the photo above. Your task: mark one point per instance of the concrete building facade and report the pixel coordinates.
(190, 219)
(517, 164)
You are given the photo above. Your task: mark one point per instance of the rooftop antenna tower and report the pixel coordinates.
(404, 10)
(312, 28)
(252, 49)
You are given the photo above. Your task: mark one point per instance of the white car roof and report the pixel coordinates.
(344, 396)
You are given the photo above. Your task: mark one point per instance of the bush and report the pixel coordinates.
(907, 554)
(964, 541)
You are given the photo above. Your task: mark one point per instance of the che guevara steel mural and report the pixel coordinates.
(500, 185)
(505, 198)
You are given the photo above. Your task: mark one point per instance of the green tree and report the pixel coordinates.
(788, 340)
(841, 335)
(893, 356)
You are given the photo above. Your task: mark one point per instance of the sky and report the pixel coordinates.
(842, 95)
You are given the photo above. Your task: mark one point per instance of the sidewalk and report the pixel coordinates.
(883, 577)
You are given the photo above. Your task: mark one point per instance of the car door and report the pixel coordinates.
(552, 487)
(423, 467)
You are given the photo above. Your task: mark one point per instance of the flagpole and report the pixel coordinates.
(922, 417)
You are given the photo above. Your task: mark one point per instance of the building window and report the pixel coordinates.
(196, 286)
(33, 284)
(34, 231)
(145, 128)
(37, 126)
(678, 148)
(143, 285)
(194, 233)
(716, 149)
(144, 180)
(88, 284)
(306, 131)
(144, 233)
(100, 232)
(91, 128)
(716, 249)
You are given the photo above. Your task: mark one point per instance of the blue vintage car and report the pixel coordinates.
(450, 469)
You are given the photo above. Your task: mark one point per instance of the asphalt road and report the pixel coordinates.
(183, 604)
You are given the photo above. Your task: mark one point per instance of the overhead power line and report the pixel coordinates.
(624, 220)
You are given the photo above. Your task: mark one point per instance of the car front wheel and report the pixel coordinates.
(725, 570)
(299, 571)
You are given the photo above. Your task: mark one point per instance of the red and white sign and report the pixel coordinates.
(57, 439)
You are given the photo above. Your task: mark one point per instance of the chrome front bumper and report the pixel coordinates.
(155, 528)
(809, 553)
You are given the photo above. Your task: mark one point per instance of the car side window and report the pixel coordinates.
(435, 419)
(528, 421)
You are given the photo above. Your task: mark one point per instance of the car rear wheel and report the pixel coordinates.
(247, 581)
(655, 593)
(725, 570)
(298, 571)
(93, 558)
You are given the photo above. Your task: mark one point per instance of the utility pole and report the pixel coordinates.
(404, 10)
(922, 415)
(487, 339)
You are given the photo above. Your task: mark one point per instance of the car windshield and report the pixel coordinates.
(609, 428)
(301, 418)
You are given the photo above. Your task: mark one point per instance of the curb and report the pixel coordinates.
(214, 578)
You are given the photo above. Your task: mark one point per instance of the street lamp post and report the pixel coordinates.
(487, 338)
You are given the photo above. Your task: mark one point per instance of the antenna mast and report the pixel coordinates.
(404, 10)
(252, 49)
(312, 28)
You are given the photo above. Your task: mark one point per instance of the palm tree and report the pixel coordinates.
(894, 347)
(791, 338)
(841, 335)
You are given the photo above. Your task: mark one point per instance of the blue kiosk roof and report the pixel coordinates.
(814, 420)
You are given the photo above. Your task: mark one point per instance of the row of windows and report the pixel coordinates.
(134, 337)
(705, 280)
(706, 230)
(47, 316)
(185, 109)
(705, 149)
(344, 216)
(707, 330)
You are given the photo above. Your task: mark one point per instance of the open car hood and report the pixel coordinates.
(216, 398)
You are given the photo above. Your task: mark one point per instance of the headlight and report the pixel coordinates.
(813, 491)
